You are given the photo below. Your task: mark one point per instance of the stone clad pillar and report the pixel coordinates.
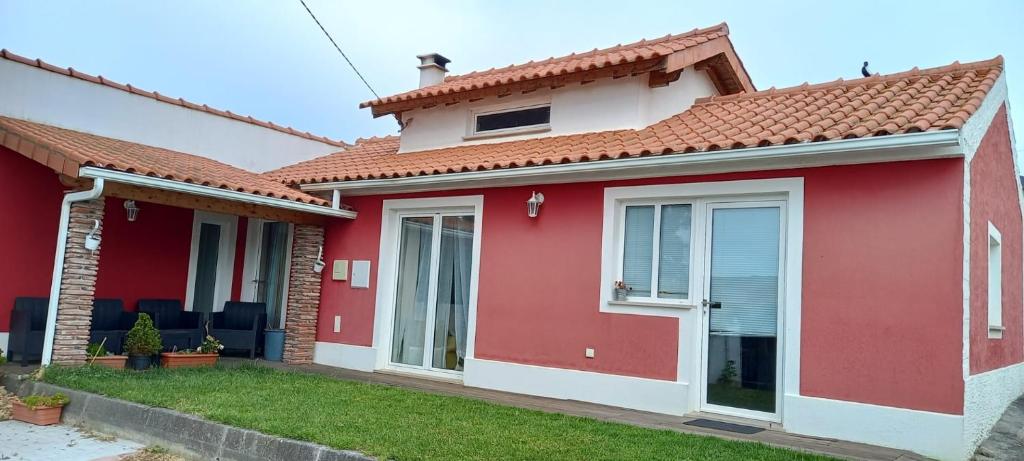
(77, 285)
(303, 295)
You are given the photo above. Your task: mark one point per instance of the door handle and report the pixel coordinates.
(713, 305)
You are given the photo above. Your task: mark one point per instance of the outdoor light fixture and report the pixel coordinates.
(318, 266)
(133, 210)
(92, 242)
(533, 205)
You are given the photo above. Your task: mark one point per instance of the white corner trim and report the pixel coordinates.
(387, 262)
(966, 327)
(936, 435)
(339, 355)
(912, 146)
(659, 396)
(214, 192)
(977, 125)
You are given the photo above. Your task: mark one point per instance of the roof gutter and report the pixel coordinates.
(212, 192)
(911, 146)
(58, 262)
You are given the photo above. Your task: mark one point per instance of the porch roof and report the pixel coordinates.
(67, 151)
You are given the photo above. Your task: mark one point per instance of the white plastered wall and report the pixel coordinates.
(38, 95)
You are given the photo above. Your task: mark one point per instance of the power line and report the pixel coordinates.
(349, 61)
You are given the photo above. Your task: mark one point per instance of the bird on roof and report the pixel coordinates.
(864, 70)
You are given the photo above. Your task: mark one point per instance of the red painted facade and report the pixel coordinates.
(994, 198)
(879, 277)
(31, 208)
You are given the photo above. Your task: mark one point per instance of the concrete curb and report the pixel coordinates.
(185, 434)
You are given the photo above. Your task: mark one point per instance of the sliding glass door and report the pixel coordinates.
(435, 254)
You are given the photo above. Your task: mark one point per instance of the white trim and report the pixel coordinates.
(986, 396)
(690, 318)
(974, 129)
(936, 435)
(360, 358)
(966, 327)
(994, 282)
(58, 261)
(225, 253)
(659, 396)
(251, 262)
(387, 264)
(209, 191)
(913, 146)
(536, 103)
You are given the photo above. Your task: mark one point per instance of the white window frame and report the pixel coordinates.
(472, 132)
(653, 299)
(994, 265)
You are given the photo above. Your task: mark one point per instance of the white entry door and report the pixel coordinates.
(742, 321)
(267, 267)
(432, 293)
(211, 262)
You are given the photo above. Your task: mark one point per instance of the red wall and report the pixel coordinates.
(30, 206)
(881, 298)
(994, 198)
(147, 258)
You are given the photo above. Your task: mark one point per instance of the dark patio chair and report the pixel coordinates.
(240, 326)
(179, 329)
(28, 329)
(110, 322)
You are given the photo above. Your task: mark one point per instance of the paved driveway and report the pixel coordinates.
(25, 442)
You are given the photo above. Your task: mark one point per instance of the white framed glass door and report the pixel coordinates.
(431, 300)
(742, 319)
(211, 261)
(267, 267)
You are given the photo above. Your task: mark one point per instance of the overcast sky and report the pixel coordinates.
(269, 60)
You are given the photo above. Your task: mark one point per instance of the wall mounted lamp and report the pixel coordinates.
(533, 205)
(318, 265)
(132, 209)
(92, 242)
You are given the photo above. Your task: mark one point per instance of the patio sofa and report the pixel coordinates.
(179, 329)
(240, 326)
(28, 328)
(110, 322)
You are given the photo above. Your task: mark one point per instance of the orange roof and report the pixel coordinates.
(619, 60)
(918, 100)
(65, 151)
(71, 72)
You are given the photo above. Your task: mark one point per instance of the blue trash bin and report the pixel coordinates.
(273, 346)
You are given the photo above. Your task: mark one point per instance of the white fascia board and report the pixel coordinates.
(214, 192)
(894, 148)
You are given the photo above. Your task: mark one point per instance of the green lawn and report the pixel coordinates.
(396, 423)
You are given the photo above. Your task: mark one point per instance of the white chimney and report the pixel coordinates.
(432, 69)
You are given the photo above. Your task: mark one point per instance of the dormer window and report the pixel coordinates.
(516, 120)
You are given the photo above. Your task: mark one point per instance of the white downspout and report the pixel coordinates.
(58, 261)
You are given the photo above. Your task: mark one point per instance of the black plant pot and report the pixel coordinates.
(139, 362)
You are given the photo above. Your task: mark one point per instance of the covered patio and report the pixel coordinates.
(181, 237)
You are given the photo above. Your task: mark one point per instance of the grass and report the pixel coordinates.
(395, 423)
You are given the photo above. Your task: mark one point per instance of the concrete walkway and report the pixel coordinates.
(830, 447)
(1006, 441)
(27, 442)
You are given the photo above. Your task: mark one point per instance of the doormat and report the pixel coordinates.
(724, 426)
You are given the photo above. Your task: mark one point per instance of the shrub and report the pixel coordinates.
(3, 358)
(96, 350)
(37, 400)
(143, 338)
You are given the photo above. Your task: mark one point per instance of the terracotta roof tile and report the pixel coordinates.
(100, 80)
(66, 150)
(642, 51)
(919, 100)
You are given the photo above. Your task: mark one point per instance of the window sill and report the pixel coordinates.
(613, 302)
(995, 331)
(510, 132)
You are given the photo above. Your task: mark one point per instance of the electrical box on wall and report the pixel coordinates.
(360, 274)
(340, 270)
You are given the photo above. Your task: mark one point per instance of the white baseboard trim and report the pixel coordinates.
(3, 341)
(668, 397)
(360, 358)
(986, 396)
(936, 435)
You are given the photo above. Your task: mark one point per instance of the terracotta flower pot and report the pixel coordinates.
(40, 416)
(111, 361)
(179, 360)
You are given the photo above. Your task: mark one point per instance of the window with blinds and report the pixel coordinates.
(656, 251)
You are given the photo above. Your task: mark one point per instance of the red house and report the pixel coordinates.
(636, 226)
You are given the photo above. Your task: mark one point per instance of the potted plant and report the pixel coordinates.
(142, 342)
(99, 355)
(621, 290)
(41, 410)
(203, 356)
